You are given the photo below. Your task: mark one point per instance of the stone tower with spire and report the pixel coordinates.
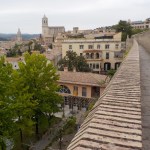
(49, 33)
(19, 36)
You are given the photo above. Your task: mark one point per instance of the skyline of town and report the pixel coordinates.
(83, 14)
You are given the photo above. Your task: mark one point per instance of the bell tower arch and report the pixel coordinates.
(44, 21)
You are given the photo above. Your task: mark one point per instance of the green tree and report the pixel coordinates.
(136, 31)
(82, 65)
(71, 60)
(14, 51)
(21, 105)
(38, 47)
(6, 122)
(111, 72)
(41, 79)
(30, 46)
(125, 28)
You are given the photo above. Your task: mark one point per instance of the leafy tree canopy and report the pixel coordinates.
(41, 79)
(72, 60)
(125, 28)
(6, 122)
(136, 31)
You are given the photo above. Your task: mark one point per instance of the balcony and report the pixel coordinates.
(118, 55)
(93, 55)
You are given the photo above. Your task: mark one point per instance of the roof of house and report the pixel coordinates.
(14, 59)
(82, 78)
(52, 54)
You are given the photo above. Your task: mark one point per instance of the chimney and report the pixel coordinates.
(65, 69)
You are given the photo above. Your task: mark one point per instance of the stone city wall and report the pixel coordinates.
(144, 39)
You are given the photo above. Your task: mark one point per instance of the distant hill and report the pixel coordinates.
(3, 39)
(6, 37)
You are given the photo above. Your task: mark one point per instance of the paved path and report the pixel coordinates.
(47, 138)
(145, 96)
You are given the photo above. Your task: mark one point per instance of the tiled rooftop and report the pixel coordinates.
(82, 78)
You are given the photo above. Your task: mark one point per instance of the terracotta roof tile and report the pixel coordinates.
(81, 78)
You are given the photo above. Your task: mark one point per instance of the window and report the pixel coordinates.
(97, 66)
(107, 55)
(70, 46)
(98, 46)
(90, 65)
(81, 46)
(90, 46)
(75, 91)
(92, 55)
(64, 89)
(87, 55)
(84, 91)
(93, 66)
(97, 55)
(107, 46)
(117, 46)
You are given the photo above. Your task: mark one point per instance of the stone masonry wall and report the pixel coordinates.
(144, 39)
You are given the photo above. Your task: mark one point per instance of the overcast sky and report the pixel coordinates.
(85, 14)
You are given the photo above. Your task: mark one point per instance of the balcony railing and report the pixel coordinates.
(118, 56)
(89, 57)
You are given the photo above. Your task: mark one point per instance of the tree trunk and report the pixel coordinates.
(49, 120)
(37, 126)
(3, 146)
(21, 135)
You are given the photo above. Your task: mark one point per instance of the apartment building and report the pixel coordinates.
(140, 24)
(102, 51)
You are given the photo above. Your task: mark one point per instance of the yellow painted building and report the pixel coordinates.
(79, 89)
(81, 84)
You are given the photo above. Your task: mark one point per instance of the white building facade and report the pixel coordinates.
(102, 54)
(141, 24)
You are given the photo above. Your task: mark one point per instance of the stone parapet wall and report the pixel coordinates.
(144, 39)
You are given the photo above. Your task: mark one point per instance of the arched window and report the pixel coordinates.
(92, 55)
(64, 89)
(87, 55)
(97, 55)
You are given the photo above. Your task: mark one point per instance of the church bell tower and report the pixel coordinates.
(44, 26)
(44, 21)
(19, 36)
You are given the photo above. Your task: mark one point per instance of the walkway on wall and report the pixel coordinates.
(145, 96)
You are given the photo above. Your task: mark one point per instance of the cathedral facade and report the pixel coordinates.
(49, 33)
